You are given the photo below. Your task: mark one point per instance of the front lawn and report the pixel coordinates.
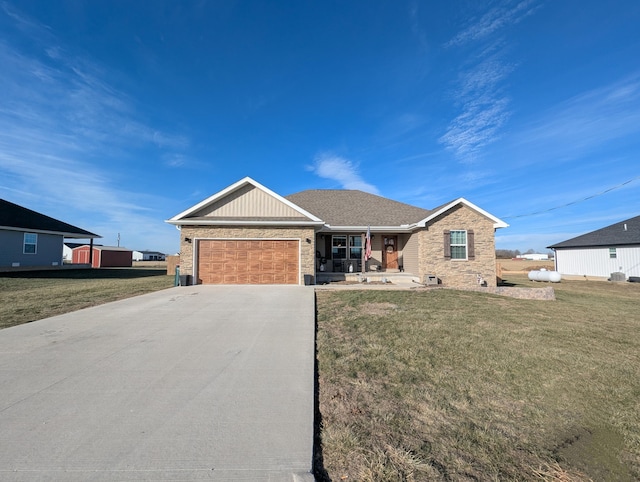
(453, 385)
(30, 296)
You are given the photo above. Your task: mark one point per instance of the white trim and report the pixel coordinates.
(466, 245)
(234, 222)
(234, 187)
(497, 223)
(24, 243)
(195, 252)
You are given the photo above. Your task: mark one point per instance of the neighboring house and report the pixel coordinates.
(29, 239)
(148, 256)
(615, 248)
(152, 256)
(104, 256)
(248, 234)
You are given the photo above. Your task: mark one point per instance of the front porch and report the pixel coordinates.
(379, 277)
(343, 253)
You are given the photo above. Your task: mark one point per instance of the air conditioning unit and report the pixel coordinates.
(430, 279)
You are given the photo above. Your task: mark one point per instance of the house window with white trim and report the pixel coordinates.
(339, 247)
(458, 244)
(30, 243)
(612, 253)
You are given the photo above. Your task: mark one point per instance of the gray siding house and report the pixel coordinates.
(612, 249)
(29, 239)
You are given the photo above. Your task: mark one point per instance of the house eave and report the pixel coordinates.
(45, 231)
(595, 246)
(405, 228)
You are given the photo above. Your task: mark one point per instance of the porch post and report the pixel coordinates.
(91, 252)
(362, 253)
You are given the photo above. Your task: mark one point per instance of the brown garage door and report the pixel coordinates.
(248, 262)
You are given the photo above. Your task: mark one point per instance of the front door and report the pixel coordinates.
(390, 252)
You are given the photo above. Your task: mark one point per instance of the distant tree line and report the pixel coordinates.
(507, 253)
(514, 253)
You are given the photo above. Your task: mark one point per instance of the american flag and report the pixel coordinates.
(367, 245)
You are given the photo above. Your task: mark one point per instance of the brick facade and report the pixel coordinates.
(307, 250)
(453, 272)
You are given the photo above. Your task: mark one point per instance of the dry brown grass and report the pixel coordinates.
(522, 265)
(30, 296)
(450, 385)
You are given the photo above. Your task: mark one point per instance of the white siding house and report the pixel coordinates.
(612, 249)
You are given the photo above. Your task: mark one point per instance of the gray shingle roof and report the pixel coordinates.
(613, 235)
(339, 207)
(15, 216)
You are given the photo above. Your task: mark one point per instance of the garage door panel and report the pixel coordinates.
(215, 279)
(248, 261)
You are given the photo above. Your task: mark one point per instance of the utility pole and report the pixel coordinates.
(118, 240)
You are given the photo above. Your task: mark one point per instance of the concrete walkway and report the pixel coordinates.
(189, 383)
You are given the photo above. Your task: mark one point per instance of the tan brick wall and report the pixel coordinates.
(307, 250)
(458, 273)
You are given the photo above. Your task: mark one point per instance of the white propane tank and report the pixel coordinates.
(544, 275)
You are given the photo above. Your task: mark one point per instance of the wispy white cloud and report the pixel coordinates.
(341, 170)
(484, 108)
(479, 93)
(587, 121)
(477, 126)
(492, 21)
(416, 28)
(62, 121)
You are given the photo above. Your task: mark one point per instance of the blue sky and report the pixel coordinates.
(117, 115)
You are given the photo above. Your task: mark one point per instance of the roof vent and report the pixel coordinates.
(625, 226)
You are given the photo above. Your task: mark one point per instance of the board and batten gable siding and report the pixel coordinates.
(248, 201)
(597, 262)
(453, 272)
(307, 250)
(48, 250)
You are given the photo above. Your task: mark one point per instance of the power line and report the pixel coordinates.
(573, 202)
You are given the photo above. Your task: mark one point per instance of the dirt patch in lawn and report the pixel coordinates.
(594, 452)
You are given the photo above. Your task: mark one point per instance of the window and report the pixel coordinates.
(339, 247)
(355, 247)
(458, 244)
(30, 243)
(612, 253)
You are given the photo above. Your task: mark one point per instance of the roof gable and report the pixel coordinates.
(17, 218)
(497, 223)
(340, 207)
(617, 234)
(246, 201)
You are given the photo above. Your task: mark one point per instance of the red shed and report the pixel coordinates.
(103, 256)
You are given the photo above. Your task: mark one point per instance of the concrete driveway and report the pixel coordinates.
(189, 383)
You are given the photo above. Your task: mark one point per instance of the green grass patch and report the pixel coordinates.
(30, 296)
(454, 385)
